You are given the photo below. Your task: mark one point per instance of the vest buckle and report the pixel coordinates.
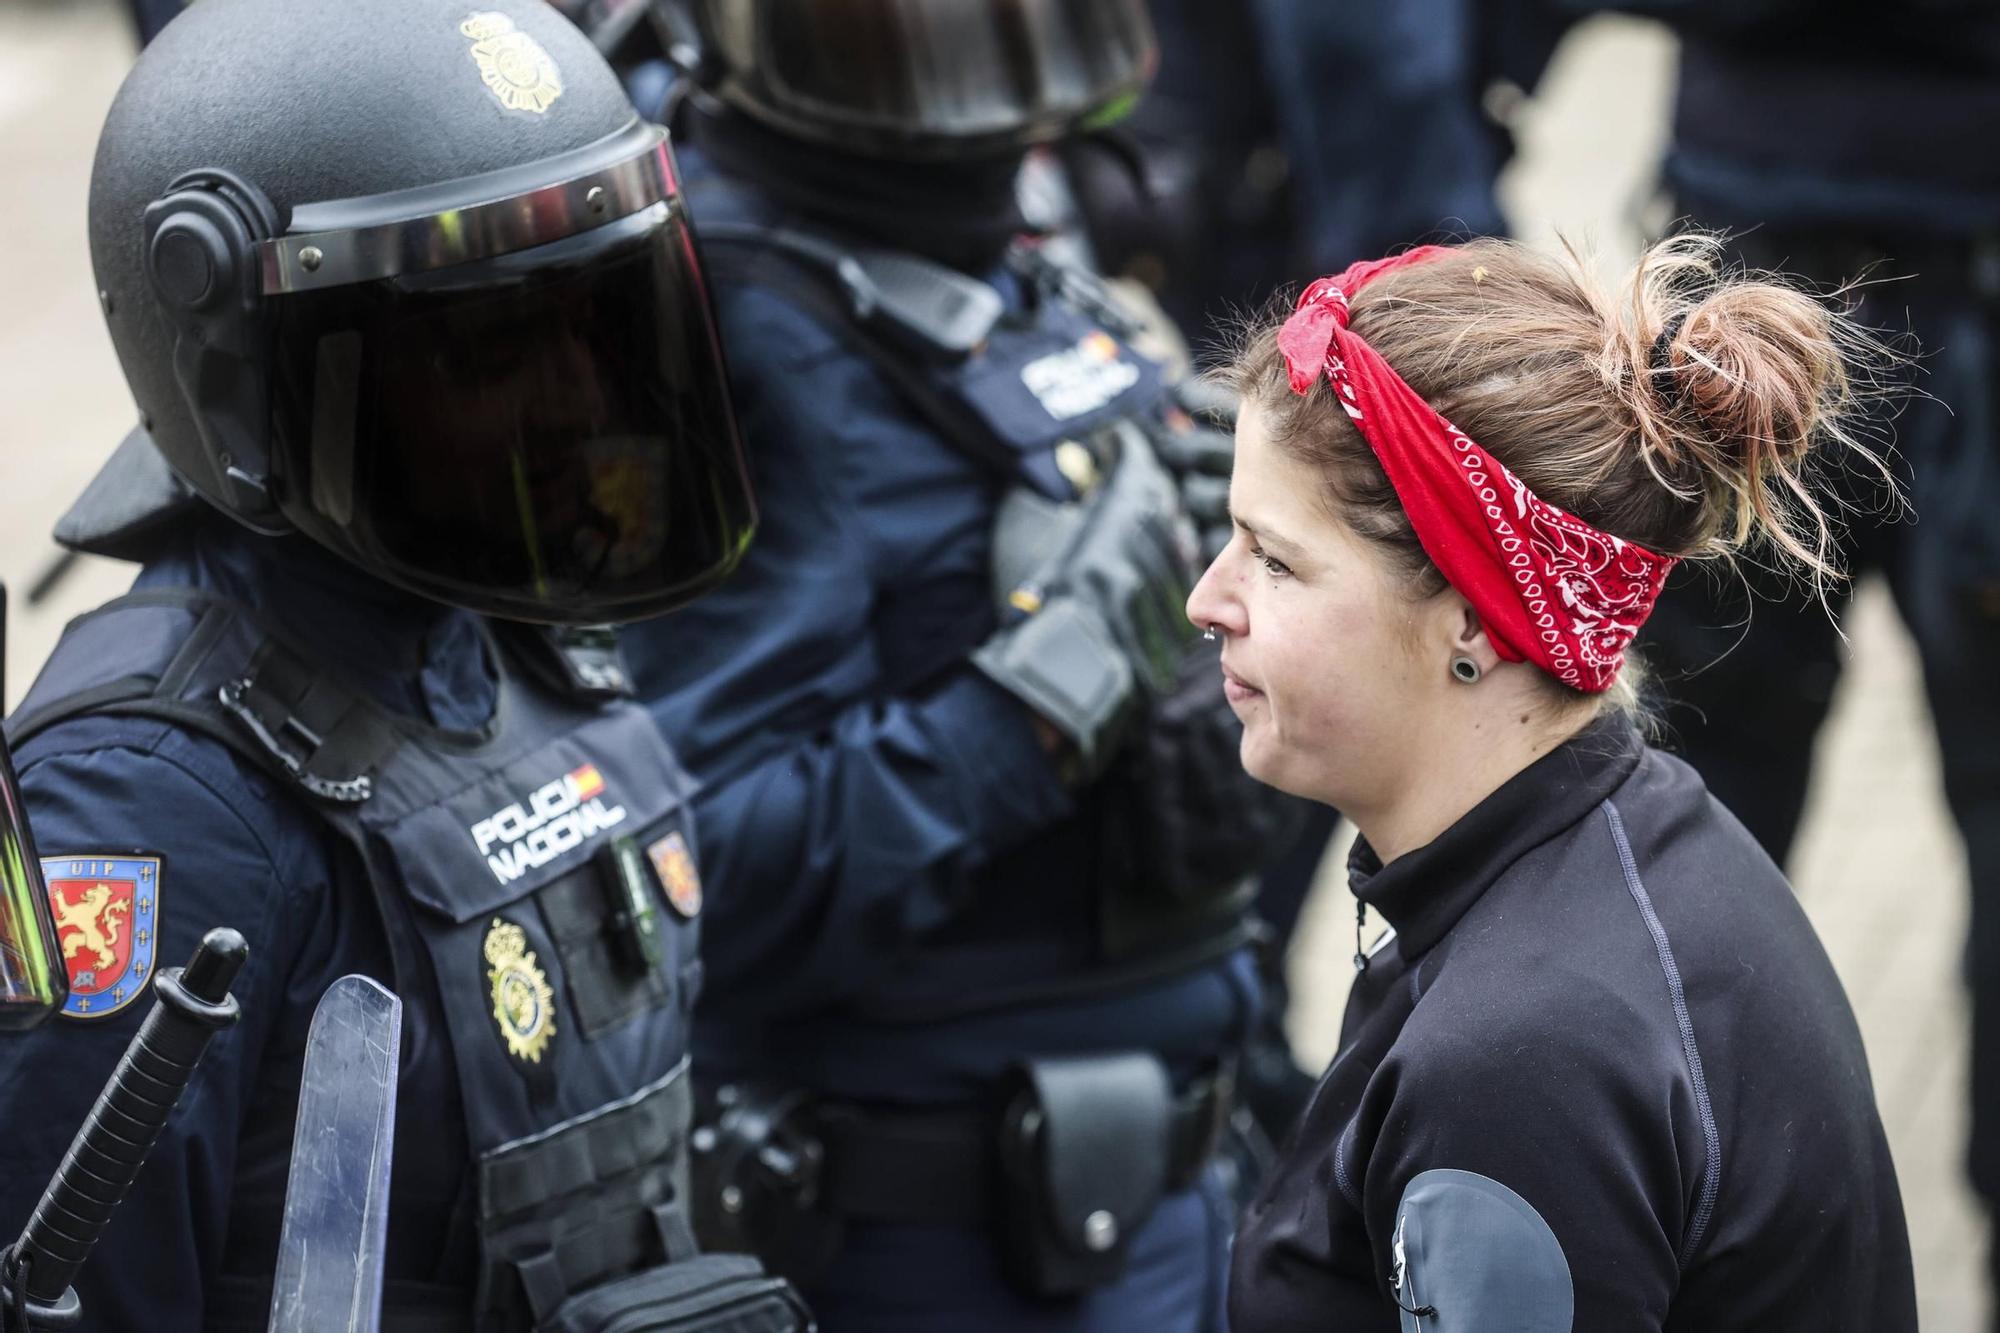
(293, 744)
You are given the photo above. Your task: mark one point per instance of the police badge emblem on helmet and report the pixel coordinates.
(523, 1000)
(515, 67)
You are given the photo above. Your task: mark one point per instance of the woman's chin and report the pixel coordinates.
(1267, 764)
(1290, 772)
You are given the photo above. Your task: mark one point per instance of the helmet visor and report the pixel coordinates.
(542, 436)
(947, 71)
(34, 981)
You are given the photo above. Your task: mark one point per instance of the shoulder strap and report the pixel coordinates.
(926, 308)
(119, 654)
(324, 737)
(209, 665)
(932, 311)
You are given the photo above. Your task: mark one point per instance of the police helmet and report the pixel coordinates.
(926, 79)
(412, 278)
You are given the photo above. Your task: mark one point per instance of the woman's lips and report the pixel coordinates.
(1235, 690)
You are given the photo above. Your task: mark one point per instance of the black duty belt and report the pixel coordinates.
(236, 1304)
(942, 1167)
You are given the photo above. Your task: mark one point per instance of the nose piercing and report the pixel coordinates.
(1209, 633)
(1464, 669)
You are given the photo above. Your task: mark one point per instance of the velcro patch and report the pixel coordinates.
(674, 864)
(106, 909)
(1471, 1252)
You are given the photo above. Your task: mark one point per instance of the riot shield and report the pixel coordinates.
(33, 981)
(190, 1005)
(337, 1200)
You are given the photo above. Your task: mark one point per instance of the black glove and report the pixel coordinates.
(1198, 445)
(1097, 625)
(1182, 817)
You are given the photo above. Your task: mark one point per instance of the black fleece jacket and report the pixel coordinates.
(1602, 995)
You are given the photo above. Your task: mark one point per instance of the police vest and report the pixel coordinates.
(1039, 394)
(1023, 391)
(537, 886)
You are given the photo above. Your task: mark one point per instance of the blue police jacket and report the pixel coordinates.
(886, 842)
(233, 849)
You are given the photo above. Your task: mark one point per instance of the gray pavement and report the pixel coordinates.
(1879, 867)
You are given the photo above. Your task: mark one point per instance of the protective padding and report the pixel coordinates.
(1479, 1257)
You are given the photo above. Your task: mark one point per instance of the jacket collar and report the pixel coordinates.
(1424, 892)
(415, 657)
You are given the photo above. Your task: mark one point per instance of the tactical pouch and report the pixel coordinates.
(709, 1293)
(1084, 1152)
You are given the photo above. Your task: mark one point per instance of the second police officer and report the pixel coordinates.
(405, 296)
(976, 952)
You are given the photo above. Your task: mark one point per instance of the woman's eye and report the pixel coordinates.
(1273, 566)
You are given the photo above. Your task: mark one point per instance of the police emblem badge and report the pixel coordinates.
(524, 1004)
(674, 864)
(513, 65)
(106, 911)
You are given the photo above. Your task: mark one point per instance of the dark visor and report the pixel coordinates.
(949, 68)
(542, 436)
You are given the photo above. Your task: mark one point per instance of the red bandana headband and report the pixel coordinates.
(1548, 587)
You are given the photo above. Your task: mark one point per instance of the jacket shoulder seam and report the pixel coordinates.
(153, 751)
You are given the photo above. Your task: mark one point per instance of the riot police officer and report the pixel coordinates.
(975, 949)
(405, 295)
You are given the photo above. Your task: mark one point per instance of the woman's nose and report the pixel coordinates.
(1211, 604)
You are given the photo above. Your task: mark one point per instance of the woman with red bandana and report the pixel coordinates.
(1598, 1072)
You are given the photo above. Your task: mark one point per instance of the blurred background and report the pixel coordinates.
(1877, 861)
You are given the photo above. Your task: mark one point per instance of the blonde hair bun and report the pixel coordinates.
(1738, 377)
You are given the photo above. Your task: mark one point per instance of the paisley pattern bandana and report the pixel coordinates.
(1548, 587)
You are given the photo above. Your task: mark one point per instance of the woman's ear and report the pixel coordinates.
(1467, 635)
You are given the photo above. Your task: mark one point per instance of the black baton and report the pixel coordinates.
(190, 1006)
